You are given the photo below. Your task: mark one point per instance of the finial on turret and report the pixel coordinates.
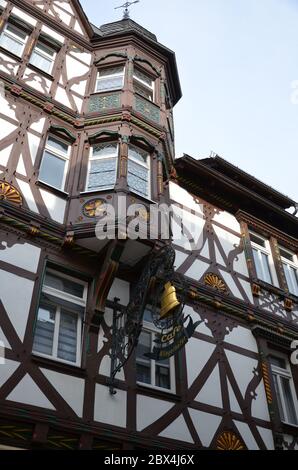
(126, 5)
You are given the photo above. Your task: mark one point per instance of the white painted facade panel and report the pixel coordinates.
(70, 388)
(150, 410)
(110, 409)
(25, 256)
(17, 307)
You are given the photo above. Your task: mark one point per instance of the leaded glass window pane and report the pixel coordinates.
(44, 331)
(102, 174)
(289, 403)
(13, 39)
(103, 167)
(143, 77)
(110, 79)
(291, 277)
(143, 363)
(67, 342)
(138, 171)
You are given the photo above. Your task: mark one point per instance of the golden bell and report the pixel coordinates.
(168, 301)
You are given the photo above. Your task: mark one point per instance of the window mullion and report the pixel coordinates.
(282, 398)
(56, 331)
(153, 363)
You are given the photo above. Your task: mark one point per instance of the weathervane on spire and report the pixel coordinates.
(126, 11)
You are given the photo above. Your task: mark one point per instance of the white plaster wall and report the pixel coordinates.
(150, 410)
(25, 256)
(7, 369)
(50, 32)
(246, 435)
(16, 306)
(10, 69)
(28, 195)
(110, 409)
(228, 220)
(6, 128)
(35, 80)
(70, 388)
(183, 197)
(178, 430)
(28, 393)
(55, 205)
(242, 368)
(210, 394)
(243, 338)
(197, 354)
(23, 16)
(206, 425)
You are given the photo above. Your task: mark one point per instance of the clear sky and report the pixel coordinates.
(237, 61)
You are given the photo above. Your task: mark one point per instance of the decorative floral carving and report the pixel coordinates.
(229, 441)
(94, 208)
(9, 193)
(213, 280)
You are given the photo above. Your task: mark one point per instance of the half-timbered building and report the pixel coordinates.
(86, 124)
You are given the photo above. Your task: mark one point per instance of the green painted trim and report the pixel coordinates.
(141, 59)
(111, 54)
(62, 130)
(103, 133)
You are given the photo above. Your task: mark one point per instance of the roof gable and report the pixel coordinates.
(68, 13)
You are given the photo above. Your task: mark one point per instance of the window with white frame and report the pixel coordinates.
(262, 257)
(284, 389)
(102, 171)
(43, 57)
(58, 331)
(13, 39)
(109, 79)
(138, 171)
(290, 266)
(156, 373)
(54, 164)
(143, 84)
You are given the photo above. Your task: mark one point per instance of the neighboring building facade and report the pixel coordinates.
(86, 121)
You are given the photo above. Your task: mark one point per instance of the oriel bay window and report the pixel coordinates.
(290, 267)
(43, 57)
(58, 331)
(157, 374)
(284, 389)
(138, 171)
(13, 39)
(102, 169)
(262, 258)
(54, 164)
(143, 84)
(109, 79)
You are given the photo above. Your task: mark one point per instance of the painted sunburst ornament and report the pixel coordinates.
(9, 193)
(95, 208)
(213, 280)
(229, 441)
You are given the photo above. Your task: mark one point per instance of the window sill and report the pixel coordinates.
(58, 365)
(96, 192)
(270, 287)
(10, 54)
(103, 92)
(41, 72)
(276, 290)
(146, 99)
(157, 392)
(56, 191)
